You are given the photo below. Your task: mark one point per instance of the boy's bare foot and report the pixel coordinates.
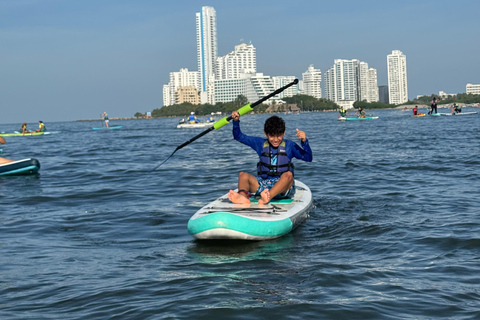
(265, 197)
(238, 198)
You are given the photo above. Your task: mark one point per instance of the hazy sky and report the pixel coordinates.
(63, 60)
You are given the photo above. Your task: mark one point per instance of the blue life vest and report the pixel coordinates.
(273, 164)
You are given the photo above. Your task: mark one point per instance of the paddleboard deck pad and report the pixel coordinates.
(20, 167)
(222, 219)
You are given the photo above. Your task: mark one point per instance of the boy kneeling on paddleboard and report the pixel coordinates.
(275, 169)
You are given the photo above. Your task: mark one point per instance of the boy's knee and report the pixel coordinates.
(242, 175)
(287, 175)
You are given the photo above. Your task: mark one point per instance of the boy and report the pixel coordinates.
(275, 169)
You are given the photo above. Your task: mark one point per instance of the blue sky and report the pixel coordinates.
(63, 60)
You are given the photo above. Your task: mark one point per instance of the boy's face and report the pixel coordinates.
(275, 140)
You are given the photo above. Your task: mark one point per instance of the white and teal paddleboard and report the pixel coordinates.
(222, 219)
(104, 128)
(351, 119)
(458, 114)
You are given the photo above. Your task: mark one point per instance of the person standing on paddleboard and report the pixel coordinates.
(105, 118)
(275, 169)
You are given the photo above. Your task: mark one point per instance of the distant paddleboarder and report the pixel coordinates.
(105, 118)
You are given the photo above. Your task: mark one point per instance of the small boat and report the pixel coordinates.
(20, 167)
(104, 128)
(19, 134)
(458, 114)
(195, 125)
(222, 219)
(351, 119)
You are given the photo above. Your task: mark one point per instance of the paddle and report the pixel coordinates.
(222, 122)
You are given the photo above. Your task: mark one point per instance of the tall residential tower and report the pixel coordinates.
(397, 77)
(207, 48)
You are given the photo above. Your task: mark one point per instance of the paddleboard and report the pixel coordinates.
(419, 115)
(351, 119)
(20, 167)
(458, 114)
(195, 125)
(19, 134)
(222, 219)
(435, 114)
(104, 128)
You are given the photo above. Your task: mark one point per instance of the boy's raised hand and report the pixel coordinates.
(235, 115)
(301, 135)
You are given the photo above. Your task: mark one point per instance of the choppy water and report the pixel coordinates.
(395, 233)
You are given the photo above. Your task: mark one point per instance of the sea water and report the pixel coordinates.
(95, 235)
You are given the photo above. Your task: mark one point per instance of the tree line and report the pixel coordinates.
(303, 102)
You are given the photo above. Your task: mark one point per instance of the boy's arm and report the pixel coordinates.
(304, 152)
(255, 143)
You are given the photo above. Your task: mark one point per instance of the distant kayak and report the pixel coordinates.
(19, 134)
(104, 128)
(458, 114)
(195, 125)
(20, 167)
(419, 115)
(351, 119)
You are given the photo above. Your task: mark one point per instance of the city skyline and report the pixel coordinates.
(65, 61)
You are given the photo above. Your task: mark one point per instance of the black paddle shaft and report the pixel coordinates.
(253, 105)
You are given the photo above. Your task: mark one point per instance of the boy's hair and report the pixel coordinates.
(274, 126)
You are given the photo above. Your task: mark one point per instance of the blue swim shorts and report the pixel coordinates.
(268, 184)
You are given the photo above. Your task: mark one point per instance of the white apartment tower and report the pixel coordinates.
(341, 81)
(207, 48)
(312, 79)
(281, 81)
(351, 80)
(397, 77)
(232, 65)
(183, 78)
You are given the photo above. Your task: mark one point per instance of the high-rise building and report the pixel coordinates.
(253, 87)
(473, 88)
(183, 78)
(372, 86)
(397, 77)
(281, 81)
(207, 48)
(351, 80)
(233, 64)
(312, 79)
(383, 94)
(341, 81)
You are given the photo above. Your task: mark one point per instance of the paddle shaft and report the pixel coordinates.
(222, 122)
